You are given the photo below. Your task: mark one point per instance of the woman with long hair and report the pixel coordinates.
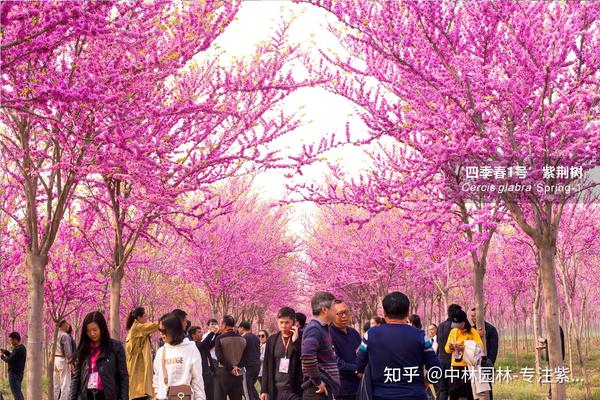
(178, 365)
(100, 372)
(139, 353)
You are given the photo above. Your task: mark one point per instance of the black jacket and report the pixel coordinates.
(16, 359)
(491, 341)
(269, 366)
(252, 350)
(208, 367)
(113, 374)
(443, 331)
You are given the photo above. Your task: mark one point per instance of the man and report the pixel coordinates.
(16, 364)
(345, 341)
(319, 361)
(443, 331)
(491, 336)
(62, 358)
(396, 353)
(432, 333)
(252, 362)
(204, 344)
(282, 368)
(491, 340)
(230, 349)
(213, 325)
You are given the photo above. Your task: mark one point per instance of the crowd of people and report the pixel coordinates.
(326, 358)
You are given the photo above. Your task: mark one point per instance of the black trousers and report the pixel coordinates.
(251, 378)
(209, 386)
(14, 381)
(228, 385)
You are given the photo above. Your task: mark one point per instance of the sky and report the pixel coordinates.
(324, 112)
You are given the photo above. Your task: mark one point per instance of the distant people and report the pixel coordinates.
(415, 321)
(282, 368)
(376, 321)
(432, 334)
(491, 340)
(100, 370)
(138, 349)
(461, 331)
(205, 343)
(443, 331)
(230, 348)
(263, 335)
(252, 361)
(345, 341)
(319, 361)
(62, 358)
(385, 353)
(366, 326)
(16, 364)
(177, 363)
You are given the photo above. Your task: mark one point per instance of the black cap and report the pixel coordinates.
(458, 317)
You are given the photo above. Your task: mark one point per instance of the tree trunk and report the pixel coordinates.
(551, 316)
(36, 266)
(479, 273)
(50, 372)
(515, 331)
(537, 318)
(116, 278)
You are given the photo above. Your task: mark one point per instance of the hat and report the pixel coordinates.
(458, 318)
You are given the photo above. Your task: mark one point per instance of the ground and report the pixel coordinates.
(514, 390)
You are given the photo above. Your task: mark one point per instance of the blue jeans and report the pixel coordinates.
(14, 380)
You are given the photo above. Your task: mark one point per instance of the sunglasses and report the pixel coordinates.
(163, 331)
(261, 335)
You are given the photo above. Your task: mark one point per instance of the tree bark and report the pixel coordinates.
(116, 279)
(50, 372)
(551, 316)
(36, 265)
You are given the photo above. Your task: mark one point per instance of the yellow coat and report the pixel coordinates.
(459, 336)
(139, 359)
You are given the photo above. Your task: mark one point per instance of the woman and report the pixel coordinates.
(100, 372)
(262, 336)
(139, 354)
(178, 362)
(461, 331)
(376, 321)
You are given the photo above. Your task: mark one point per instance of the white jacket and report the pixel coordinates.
(184, 367)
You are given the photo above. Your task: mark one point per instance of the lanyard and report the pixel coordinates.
(286, 345)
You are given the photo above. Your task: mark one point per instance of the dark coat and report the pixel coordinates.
(208, 367)
(113, 374)
(252, 350)
(269, 366)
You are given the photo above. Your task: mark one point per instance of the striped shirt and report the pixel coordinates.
(319, 361)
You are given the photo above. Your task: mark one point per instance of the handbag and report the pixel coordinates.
(179, 392)
(365, 389)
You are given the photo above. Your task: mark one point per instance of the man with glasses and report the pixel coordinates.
(346, 341)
